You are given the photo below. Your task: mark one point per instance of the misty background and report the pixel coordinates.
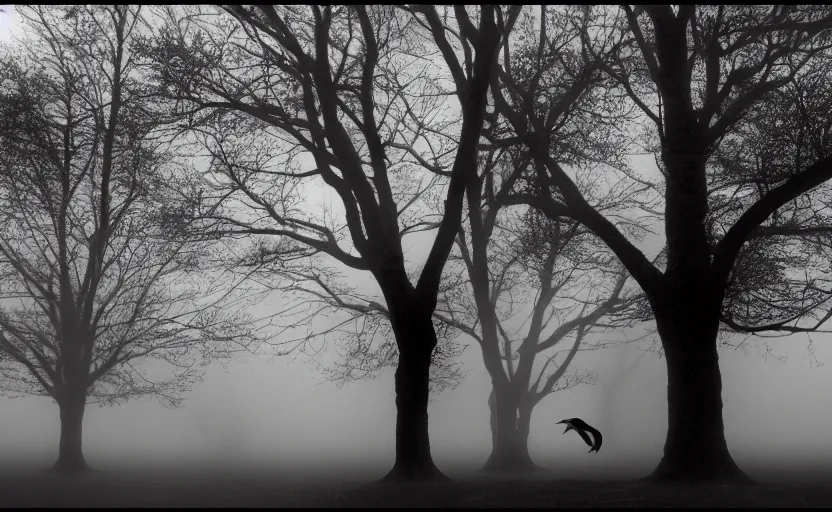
(281, 413)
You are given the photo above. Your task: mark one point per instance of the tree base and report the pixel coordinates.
(417, 475)
(70, 467)
(511, 466)
(725, 472)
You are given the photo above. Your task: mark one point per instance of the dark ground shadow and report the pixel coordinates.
(280, 488)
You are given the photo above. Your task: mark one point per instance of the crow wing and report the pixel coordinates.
(598, 440)
(585, 437)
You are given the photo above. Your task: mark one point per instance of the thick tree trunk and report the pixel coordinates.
(70, 454)
(695, 450)
(510, 426)
(413, 458)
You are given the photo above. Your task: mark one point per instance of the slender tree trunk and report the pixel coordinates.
(695, 450)
(417, 339)
(70, 454)
(510, 426)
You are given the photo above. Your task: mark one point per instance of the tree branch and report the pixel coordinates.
(729, 247)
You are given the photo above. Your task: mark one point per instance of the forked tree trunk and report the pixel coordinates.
(510, 425)
(70, 453)
(695, 450)
(417, 339)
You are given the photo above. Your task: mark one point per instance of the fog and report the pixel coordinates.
(279, 412)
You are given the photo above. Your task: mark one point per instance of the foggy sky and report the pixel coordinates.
(280, 412)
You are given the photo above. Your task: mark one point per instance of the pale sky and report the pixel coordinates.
(279, 412)
(8, 22)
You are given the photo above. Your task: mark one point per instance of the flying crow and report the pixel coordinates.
(580, 426)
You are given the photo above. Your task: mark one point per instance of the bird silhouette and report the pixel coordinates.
(581, 427)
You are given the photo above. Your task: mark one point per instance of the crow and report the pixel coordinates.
(580, 426)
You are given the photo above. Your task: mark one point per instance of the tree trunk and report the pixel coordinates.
(695, 450)
(510, 425)
(416, 340)
(70, 454)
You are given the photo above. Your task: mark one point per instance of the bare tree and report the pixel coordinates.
(711, 83)
(543, 282)
(93, 278)
(349, 95)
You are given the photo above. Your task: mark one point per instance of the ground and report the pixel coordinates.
(269, 489)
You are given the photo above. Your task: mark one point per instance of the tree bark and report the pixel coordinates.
(695, 450)
(510, 426)
(688, 308)
(70, 453)
(416, 339)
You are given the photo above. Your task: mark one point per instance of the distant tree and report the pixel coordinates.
(94, 277)
(528, 285)
(288, 98)
(735, 104)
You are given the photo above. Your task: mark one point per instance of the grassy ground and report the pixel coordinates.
(263, 489)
